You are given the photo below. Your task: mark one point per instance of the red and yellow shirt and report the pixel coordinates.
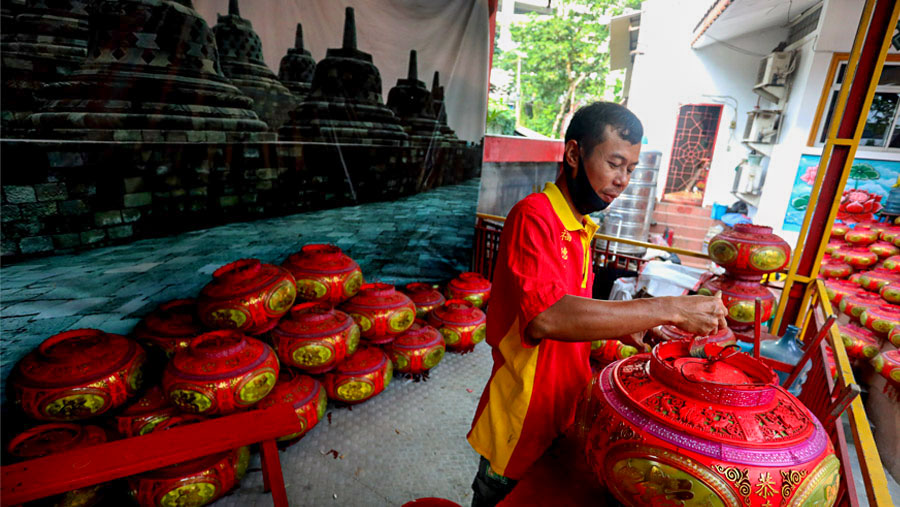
(531, 394)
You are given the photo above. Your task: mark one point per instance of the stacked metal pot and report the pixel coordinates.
(257, 335)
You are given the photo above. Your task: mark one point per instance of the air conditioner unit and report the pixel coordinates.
(771, 77)
(762, 126)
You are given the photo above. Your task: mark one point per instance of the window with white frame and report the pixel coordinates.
(882, 130)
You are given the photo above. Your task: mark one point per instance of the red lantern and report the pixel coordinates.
(874, 279)
(858, 341)
(861, 235)
(749, 250)
(835, 269)
(315, 337)
(723, 337)
(663, 428)
(417, 350)
(305, 394)
(853, 304)
(880, 319)
(472, 287)
(889, 233)
(381, 312)
(891, 292)
(837, 289)
(739, 297)
(49, 439)
(362, 376)
(894, 336)
(145, 413)
(838, 229)
(220, 372)
(834, 244)
(248, 296)
(607, 351)
(461, 323)
(858, 257)
(892, 263)
(324, 274)
(887, 364)
(170, 327)
(425, 297)
(77, 374)
(884, 249)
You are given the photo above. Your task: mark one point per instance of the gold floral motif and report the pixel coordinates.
(227, 318)
(478, 335)
(647, 482)
(450, 335)
(364, 323)
(243, 461)
(136, 378)
(722, 251)
(311, 289)
(190, 401)
(475, 299)
(742, 311)
(766, 485)
(282, 297)
(189, 495)
(388, 373)
(789, 481)
(75, 406)
(704, 292)
(882, 326)
(147, 428)
(402, 319)
(257, 388)
(433, 357)
(355, 390)
(312, 355)
(768, 258)
(401, 362)
(821, 487)
(352, 338)
(353, 283)
(322, 404)
(740, 479)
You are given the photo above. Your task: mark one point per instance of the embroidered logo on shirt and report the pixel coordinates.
(565, 236)
(565, 253)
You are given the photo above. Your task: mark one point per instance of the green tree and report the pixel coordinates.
(563, 63)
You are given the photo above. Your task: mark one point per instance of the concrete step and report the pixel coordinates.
(692, 244)
(682, 231)
(694, 262)
(674, 219)
(683, 209)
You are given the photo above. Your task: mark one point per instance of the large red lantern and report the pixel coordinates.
(838, 229)
(739, 296)
(170, 327)
(891, 292)
(324, 273)
(880, 319)
(472, 287)
(835, 269)
(425, 297)
(837, 289)
(461, 323)
(874, 279)
(853, 304)
(314, 337)
(145, 413)
(77, 374)
(859, 257)
(302, 392)
(220, 372)
(887, 364)
(362, 376)
(884, 249)
(417, 350)
(834, 244)
(859, 341)
(248, 296)
(666, 428)
(381, 312)
(892, 263)
(861, 235)
(749, 250)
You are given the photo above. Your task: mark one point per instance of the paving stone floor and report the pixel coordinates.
(407, 443)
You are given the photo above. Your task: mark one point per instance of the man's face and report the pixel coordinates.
(610, 164)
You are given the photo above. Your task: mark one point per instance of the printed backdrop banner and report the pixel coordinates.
(450, 36)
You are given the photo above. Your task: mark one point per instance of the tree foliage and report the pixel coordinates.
(564, 61)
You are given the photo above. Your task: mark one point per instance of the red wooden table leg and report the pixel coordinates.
(273, 480)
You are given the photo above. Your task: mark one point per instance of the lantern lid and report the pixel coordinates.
(365, 360)
(858, 332)
(218, 354)
(424, 294)
(241, 277)
(378, 295)
(863, 297)
(152, 401)
(459, 312)
(313, 320)
(173, 319)
(292, 388)
(886, 311)
(470, 282)
(320, 258)
(76, 357)
(48, 439)
(419, 335)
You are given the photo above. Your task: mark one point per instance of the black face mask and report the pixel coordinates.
(583, 195)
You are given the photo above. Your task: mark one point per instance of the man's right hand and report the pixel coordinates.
(700, 315)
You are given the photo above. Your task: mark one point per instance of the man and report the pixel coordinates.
(542, 321)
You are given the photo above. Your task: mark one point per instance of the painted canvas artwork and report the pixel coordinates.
(867, 187)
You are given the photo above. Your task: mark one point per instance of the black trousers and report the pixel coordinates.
(489, 487)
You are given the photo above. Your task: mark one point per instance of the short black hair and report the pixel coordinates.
(588, 125)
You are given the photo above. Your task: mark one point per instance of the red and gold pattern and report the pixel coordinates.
(835, 269)
(145, 413)
(859, 257)
(324, 273)
(749, 250)
(874, 279)
(858, 341)
(894, 336)
(305, 394)
(887, 364)
(170, 327)
(892, 263)
(834, 244)
(853, 304)
(607, 351)
(471, 287)
(418, 350)
(668, 429)
(426, 298)
(381, 312)
(248, 296)
(837, 289)
(461, 323)
(891, 292)
(361, 377)
(54, 438)
(219, 373)
(861, 235)
(880, 319)
(838, 229)
(739, 297)
(314, 337)
(77, 375)
(884, 249)
(889, 233)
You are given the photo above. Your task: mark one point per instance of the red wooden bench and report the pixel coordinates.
(79, 468)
